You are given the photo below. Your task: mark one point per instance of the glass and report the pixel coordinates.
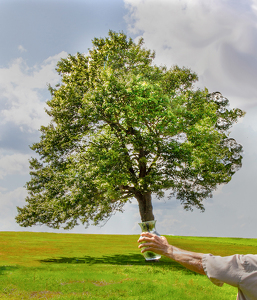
(149, 226)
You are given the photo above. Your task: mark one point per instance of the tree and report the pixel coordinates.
(122, 127)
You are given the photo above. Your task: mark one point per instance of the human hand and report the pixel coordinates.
(154, 243)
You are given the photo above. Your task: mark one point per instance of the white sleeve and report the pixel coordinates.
(221, 270)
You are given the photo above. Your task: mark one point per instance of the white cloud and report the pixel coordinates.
(21, 89)
(8, 203)
(14, 164)
(21, 48)
(12, 198)
(216, 39)
(254, 5)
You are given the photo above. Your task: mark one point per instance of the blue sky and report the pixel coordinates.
(216, 39)
(48, 27)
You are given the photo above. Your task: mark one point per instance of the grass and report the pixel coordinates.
(77, 266)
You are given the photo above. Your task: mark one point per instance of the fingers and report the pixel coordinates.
(146, 247)
(146, 236)
(148, 241)
(153, 242)
(144, 239)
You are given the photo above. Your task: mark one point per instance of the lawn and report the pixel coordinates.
(83, 266)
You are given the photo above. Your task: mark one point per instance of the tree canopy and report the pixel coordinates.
(122, 128)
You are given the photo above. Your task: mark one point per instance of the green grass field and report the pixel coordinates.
(82, 266)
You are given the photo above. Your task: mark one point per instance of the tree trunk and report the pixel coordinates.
(145, 206)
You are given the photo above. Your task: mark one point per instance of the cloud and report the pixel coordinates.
(254, 5)
(14, 164)
(14, 138)
(21, 90)
(22, 100)
(216, 39)
(21, 48)
(8, 203)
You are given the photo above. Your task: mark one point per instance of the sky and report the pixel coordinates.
(217, 39)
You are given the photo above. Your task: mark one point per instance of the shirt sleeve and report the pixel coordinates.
(221, 270)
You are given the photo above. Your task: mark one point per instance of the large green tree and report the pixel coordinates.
(122, 128)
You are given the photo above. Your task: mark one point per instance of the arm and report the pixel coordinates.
(160, 245)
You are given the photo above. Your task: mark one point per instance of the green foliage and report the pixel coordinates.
(123, 127)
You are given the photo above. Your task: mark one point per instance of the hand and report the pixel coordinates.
(160, 245)
(154, 243)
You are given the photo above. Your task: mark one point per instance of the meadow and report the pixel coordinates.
(84, 266)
